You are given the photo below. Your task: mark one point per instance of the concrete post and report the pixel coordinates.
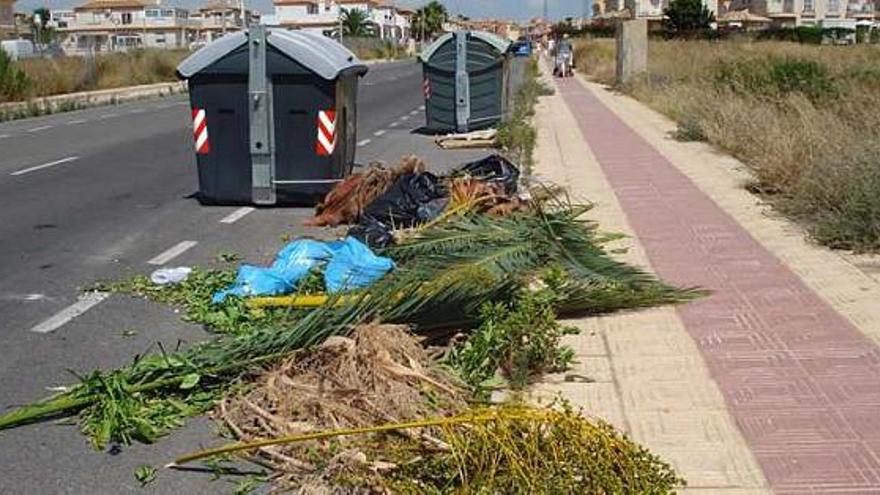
(632, 50)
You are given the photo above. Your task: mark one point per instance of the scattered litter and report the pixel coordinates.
(494, 169)
(353, 266)
(345, 203)
(349, 265)
(170, 276)
(402, 206)
(475, 139)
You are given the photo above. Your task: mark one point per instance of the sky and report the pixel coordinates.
(504, 9)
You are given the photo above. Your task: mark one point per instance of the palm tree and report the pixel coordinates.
(356, 23)
(429, 20)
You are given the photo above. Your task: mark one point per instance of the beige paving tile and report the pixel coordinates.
(586, 369)
(651, 379)
(598, 400)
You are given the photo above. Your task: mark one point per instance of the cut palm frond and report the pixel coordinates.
(445, 274)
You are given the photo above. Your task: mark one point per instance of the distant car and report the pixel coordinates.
(521, 49)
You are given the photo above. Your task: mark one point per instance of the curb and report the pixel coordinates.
(86, 99)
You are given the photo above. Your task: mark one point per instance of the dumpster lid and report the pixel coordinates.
(499, 43)
(317, 53)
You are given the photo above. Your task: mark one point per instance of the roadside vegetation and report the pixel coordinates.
(517, 136)
(35, 78)
(804, 119)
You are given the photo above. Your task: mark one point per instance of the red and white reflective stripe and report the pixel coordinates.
(326, 132)
(426, 87)
(200, 131)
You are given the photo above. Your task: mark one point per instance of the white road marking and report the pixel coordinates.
(45, 165)
(422, 108)
(75, 122)
(380, 133)
(404, 118)
(41, 128)
(86, 302)
(414, 112)
(364, 142)
(394, 124)
(4, 136)
(136, 110)
(237, 215)
(172, 252)
(108, 116)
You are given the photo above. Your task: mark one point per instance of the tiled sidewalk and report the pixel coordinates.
(799, 379)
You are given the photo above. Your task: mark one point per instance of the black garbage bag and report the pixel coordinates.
(413, 199)
(372, 232)
(494, 169)
(399, 206)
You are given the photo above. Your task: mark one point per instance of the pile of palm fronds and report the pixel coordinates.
(496, 450)
(380, 374)
(445, 274)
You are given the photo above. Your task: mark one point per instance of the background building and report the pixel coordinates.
(792, 13)
(7, 19)
(119, 25)
(218, 17)
(387, 20)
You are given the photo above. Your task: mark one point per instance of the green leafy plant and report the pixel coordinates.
(521, 339)
(14, 83)
(145, 474)
(684, 17)
(356, 22)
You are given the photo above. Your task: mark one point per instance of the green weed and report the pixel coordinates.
(521, 339)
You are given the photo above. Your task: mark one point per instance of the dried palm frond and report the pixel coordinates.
(345, 203)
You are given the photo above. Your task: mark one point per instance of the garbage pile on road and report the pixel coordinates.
(381, 201)
(443, 256)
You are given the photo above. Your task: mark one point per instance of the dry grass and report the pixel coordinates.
(378, 375)
(69, 74)
(805, 118)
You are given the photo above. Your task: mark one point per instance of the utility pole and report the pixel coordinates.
(546, 11)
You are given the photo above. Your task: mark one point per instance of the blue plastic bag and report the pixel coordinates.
(298, 258)
(353, 266)
(350, 265)
(255, 281)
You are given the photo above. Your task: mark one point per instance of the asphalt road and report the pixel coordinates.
(104, 193)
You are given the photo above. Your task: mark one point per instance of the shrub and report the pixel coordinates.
(840, 198)
(14, 83)
(521, 339)
(803, 118)
(773, 77)
(517, 136)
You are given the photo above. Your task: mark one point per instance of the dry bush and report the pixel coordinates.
(596, 57)
(60, 75)
(798, 115)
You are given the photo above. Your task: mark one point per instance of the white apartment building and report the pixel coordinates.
(219, 17)
(119, 25)
(791, 13)
(652, 10)
(389, 21)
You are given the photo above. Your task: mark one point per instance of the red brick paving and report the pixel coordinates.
(802, 383)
